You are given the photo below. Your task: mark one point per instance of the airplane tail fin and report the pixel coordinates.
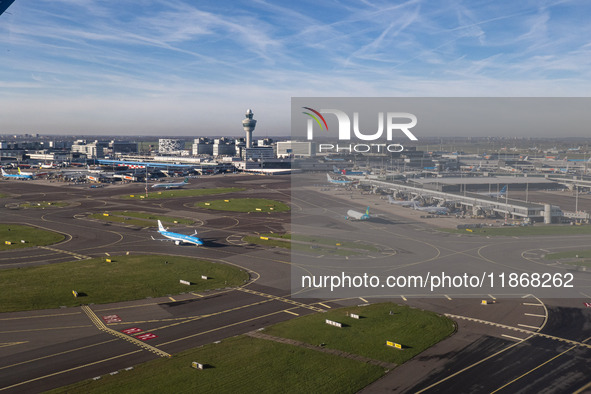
(3, 172)
(19, 170)
(328, 177)
(367, 211)
(504, 189)
(390, 200)
(186, 180)
(160, 226)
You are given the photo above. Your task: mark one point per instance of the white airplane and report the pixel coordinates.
(354, 215)
(48, 166)
(499, 194)
(408, 203)
(177, 238)
(177, 185)
(338, 181)
(25, 173)
(437, 210)
(17, 176)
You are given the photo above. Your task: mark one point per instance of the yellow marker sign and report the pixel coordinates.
(469, 230)
(75, 293)
(265, 238)
(258, 209)
(338, 244)
(207, 203)
(393, 344)
(227, 200)
(108, 260)
(8, 242)
(105, 214)
(484, 302)
(131, 195)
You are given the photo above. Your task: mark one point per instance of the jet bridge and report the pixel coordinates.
(475, 202)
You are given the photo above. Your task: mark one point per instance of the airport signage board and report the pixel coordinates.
(394, 345)
(334, 323)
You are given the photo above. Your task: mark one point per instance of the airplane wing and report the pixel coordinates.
(4, 4)
(163, 239)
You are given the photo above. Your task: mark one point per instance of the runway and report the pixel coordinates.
(46, 349)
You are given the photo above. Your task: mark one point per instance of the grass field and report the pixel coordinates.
(4, 195)
(572, 254)
(125, 278)
(249, 365)
(245, 205)
(525, 230)
(239, 365)
(414, 329)
(44, 204)
(312, 244)
(176, 193)
(313, 249)
(256, 240)
(142, 219)
(33, 236)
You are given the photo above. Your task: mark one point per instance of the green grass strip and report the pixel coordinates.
(33, 236)
(125, 278)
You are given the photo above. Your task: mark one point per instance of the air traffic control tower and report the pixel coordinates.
(249, 124)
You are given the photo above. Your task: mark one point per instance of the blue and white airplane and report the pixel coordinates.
(177, 238)
(177, 185)
(17, 176)
(354, 215)
(499, 194)
(338, 181)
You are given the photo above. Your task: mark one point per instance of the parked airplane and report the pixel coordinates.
(354, 215)
(408, 203)
(16, 176)
(177, 238)
(437, 210)
(499, 194)
(25, 173)
(338, 181)
(177, 185)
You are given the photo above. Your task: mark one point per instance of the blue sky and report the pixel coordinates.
(177, 67)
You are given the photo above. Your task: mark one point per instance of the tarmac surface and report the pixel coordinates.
(517, 344)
